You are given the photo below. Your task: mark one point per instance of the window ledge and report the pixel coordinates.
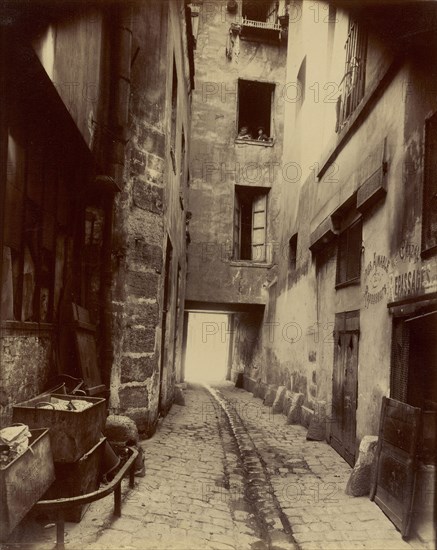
(255, 142)
(352, 282)
(249, 263)
(21, 326)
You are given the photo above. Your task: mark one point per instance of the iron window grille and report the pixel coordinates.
(353, 81)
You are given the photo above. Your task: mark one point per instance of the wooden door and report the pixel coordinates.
(345, 386)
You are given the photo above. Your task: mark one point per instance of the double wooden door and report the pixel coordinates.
(345, 385)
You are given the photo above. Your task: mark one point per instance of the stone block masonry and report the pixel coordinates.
(150, 221)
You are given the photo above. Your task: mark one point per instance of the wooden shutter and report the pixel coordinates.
(393, 487)
(237, 228)
(259, 218)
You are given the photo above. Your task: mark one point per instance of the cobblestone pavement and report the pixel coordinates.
(223, 472)
(309, 480)
(185, 501)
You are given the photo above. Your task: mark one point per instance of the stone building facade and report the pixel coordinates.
(347, 306)
(235, 190)
(94, 146)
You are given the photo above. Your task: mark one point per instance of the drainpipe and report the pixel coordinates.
(118, 113)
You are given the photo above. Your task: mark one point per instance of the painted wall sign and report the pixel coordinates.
(376, 277)
(402, 276)
(410, 276)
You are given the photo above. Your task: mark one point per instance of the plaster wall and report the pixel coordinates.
(306, 295)
(218, 163)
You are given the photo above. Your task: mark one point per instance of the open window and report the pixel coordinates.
(260, 10)
(255, 101)
(429, 216)
(260, 19)
(250, 223)
(354, 73)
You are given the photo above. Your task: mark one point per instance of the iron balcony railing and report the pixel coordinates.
(261, 24)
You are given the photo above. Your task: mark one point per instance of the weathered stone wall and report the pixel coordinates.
(218, 163)
(26, 362)
(82, 50)
(149, 214)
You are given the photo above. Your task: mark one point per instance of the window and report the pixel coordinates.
(292, 251)
(260, 10)
(260, 19)
(354, 73)
(301, 77)
(37, 214)
(349, 254)
(254, 110)
(250, 222)
(429, 215)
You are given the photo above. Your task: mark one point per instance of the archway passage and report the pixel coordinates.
(208, 347)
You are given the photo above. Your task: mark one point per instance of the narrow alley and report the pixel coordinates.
(218, 269)
(224, 472)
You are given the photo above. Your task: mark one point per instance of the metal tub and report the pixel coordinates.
(24, 480)
(72, 433)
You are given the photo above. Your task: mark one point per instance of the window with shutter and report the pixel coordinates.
(349, 254)
(250, 224)
(259, 211)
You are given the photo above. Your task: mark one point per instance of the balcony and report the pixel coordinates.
(260, 30)
(261, 24)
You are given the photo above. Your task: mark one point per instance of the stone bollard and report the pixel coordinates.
(270, 396)
(287, 402)
(360, 480)
(306, 414)
(294, 412)
(262, 390)
(278, 403)
(179, 397)
(317, 427)
(257, 390)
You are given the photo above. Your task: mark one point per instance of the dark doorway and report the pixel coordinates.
(414, 374)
